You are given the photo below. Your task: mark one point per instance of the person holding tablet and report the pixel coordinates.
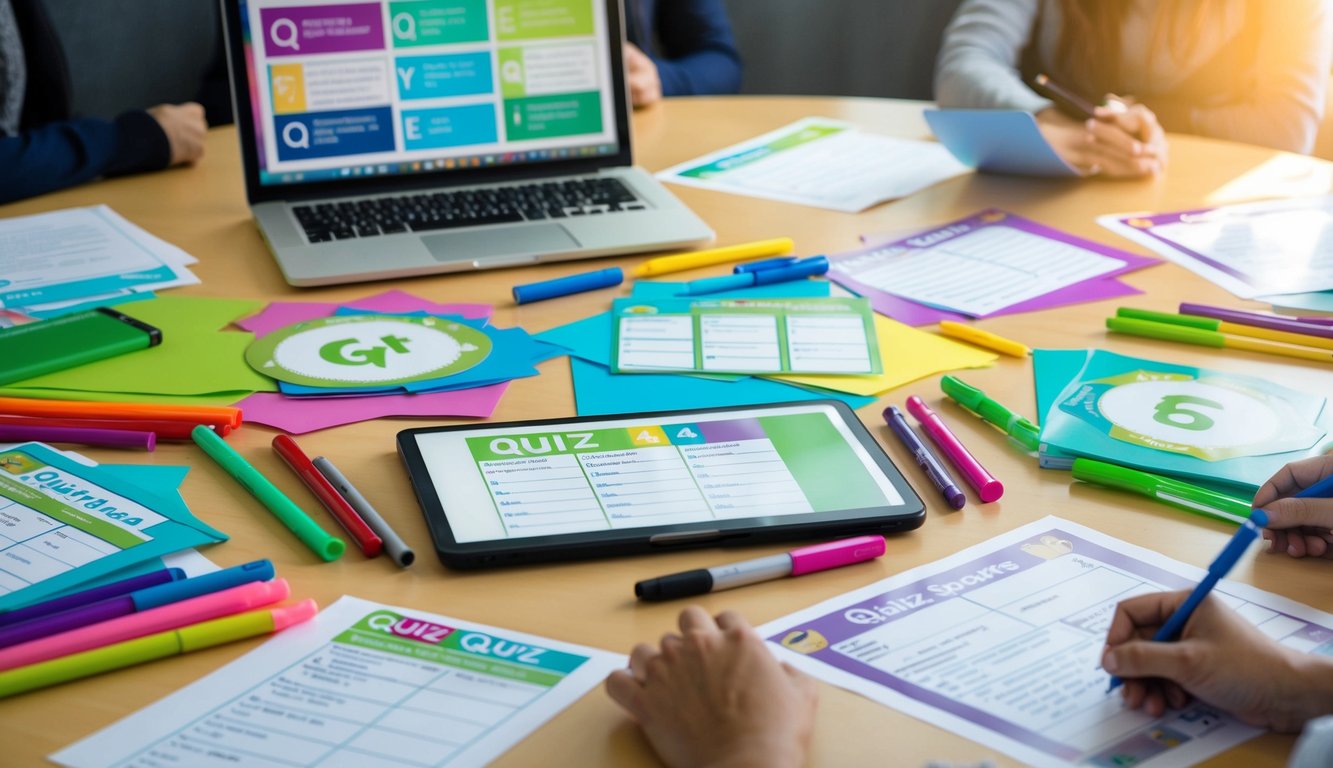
(1241, 70)
(713, 695)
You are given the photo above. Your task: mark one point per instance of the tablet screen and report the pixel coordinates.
(542, 480)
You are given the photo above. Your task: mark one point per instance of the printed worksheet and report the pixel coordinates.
(1001, 643)
(83, 253)
(821, 162)
(362, 685)
(977, 266)
(63, 523)
(1253, 249)
(814, 336)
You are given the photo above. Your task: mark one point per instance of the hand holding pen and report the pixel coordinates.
(1118, 138)
(1300, 510)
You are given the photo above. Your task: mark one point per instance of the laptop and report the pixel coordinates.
(389, 138)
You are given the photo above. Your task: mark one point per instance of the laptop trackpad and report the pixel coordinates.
(499, 241)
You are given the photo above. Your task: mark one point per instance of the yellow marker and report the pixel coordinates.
(682, 261)
(981, 338)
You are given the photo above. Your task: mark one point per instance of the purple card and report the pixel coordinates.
(305, 29)
(851, 270)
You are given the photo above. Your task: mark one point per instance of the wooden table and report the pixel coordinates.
(202, 209)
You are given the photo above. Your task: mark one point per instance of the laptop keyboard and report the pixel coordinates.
(465, 208)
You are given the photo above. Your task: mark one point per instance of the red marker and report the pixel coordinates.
(365, 539)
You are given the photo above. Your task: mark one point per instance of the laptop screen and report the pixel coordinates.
(352, 88)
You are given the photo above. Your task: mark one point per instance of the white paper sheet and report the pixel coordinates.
(67, 257)
(983, 270)
(361, 685)
(821, 162)
(1001, 643)
(1254, 249)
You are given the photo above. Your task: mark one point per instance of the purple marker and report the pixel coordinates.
(930, 463)
(1256, 320)
(96, 594)
(139, 600)
(114, 438)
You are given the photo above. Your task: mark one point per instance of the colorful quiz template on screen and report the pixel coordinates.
(355, 88)
(541, 480)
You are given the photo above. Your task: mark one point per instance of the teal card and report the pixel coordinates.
(66, 524)
(1179, 420)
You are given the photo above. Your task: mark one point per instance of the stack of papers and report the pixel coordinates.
(393, 354)
(66, 260)
(1201, 425)
(992, 263)
(71, 525)
(906, 354)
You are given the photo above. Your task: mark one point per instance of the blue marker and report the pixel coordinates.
(815, 265)
(140, 600)
(762, 264)
(564, 286)
(1170, 631)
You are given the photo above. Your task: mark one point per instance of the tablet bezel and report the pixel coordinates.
(638, 540)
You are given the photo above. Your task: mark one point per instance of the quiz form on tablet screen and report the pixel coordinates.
(544, 480)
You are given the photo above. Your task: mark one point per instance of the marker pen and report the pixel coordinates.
(798, 562)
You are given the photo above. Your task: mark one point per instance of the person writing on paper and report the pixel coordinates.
(43, 147)
(713, 696)
(1241, 70)
(1275, 687)
(679, 48)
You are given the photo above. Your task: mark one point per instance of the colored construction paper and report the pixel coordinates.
(299, 415)
(280, 314)
(196, 357)
(1297, 303)
(796, 289)
(597, 391)
(907, 355)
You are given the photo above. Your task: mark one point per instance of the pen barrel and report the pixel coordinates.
(113, 438)
(988, 488)
(666, 264)
(751, 572)
(570, 284)
(89, 596)
(327, 547)
(328, 496)
(64, 621)
(394, 545)
(89, 663)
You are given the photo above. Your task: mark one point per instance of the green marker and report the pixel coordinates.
(1176, 493)
(1024, 433)
(308, 531)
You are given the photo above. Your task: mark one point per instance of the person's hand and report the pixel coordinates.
(1136, 123)
(714, 696)
(1299, 527)
(641, 73)
(1097, 146)
(185, 128)
(1220, 659)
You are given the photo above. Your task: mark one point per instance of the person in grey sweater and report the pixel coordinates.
(1254, 71)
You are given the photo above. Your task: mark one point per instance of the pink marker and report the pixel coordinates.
(173, 616)
(798, 562)
(988, 488)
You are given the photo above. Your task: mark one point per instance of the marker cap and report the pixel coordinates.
(564, 286)
(834, 554)
(686, 584)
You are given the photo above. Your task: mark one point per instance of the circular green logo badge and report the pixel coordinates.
(367, 350)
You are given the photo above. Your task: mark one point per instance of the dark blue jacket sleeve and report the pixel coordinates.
(69, 152)
(698, 53)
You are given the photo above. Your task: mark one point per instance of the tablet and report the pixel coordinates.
(503, 494)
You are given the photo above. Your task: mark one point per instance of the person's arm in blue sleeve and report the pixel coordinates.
(698, 53)
(70, 152)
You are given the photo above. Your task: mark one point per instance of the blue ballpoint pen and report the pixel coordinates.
(929, 462)
(1170, 631)
(799, 270)
(762, 264)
